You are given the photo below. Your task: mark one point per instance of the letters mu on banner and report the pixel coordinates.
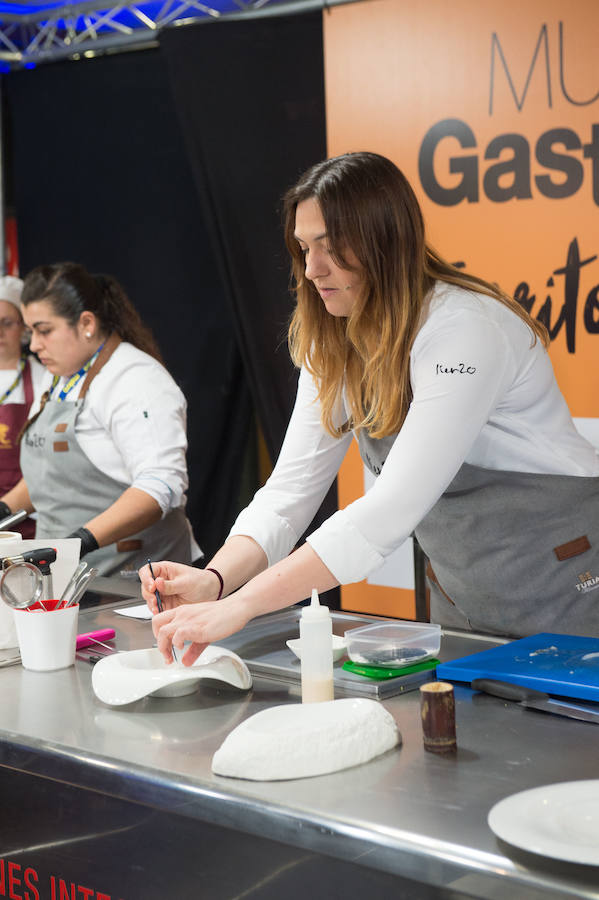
(492, 112)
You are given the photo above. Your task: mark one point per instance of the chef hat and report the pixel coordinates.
(11, 289)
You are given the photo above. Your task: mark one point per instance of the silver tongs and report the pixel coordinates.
(77, 585)
(14, 519)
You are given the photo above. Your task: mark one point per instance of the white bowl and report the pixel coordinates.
(125, 677)
(338, 647)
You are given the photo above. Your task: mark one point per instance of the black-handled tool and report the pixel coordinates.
(533, 699)
(42, 559)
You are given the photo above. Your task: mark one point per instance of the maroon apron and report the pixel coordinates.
(12, 418)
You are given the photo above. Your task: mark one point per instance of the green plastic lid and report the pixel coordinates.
(379, 673)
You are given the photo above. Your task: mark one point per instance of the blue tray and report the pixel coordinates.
(561, 664)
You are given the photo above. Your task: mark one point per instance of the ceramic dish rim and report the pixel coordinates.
(523, 806)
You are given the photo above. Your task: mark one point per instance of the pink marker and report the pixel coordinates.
(94, 637)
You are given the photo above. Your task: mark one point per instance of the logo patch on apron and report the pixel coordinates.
(5, 442)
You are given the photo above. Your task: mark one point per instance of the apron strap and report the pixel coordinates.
(43, 400)
(104, 355)
(432, 577)
(28, 384)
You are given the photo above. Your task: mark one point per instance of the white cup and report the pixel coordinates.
(47, 639)
(9, 546)
(8, 631)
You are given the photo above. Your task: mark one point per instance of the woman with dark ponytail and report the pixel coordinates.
(103, 455)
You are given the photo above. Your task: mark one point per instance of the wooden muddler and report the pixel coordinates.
(437, 709)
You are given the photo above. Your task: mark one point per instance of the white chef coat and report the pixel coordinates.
(7, 376)
(481, 394)
(133, 425)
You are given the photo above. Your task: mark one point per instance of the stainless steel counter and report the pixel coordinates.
(409, 824)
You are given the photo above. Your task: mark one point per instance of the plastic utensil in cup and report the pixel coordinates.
(47, 638)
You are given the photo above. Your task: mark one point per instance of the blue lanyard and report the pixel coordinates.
(74, 379)
(21, 367)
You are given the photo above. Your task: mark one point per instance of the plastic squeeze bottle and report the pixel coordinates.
(316, 650)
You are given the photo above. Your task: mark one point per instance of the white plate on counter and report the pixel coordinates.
(128, 676)
(557, 820)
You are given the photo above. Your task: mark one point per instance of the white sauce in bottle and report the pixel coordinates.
(317, 691)
(316, 651)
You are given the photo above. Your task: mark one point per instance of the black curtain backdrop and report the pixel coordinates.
(100, 176)
(250, 98)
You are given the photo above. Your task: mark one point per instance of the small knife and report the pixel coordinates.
(536, 699)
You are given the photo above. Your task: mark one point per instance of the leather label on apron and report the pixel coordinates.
(61, 427)
(572, 548)
(129, 546)
(61, 446)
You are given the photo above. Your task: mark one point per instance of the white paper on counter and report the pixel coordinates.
(135, 612)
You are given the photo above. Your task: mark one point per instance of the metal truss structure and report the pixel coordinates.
(37, 31)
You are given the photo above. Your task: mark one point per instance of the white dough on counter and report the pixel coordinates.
(302, 740)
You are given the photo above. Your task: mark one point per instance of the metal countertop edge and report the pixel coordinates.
(432, 862)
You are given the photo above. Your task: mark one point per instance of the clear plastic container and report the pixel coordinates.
(393, 644)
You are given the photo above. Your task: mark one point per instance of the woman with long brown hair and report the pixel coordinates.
(446, 384)
(103, 455)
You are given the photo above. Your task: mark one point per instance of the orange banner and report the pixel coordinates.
(492, 112)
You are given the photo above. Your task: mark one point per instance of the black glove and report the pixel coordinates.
(88, 541)
(5, 510)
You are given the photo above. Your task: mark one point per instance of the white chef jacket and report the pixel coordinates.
(7, 376)
(133, 424)
(482, 394)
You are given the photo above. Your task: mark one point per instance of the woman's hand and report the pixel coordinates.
(181, 587)
(201, 625)
(177, 584)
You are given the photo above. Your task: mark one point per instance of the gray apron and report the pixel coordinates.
(512, 553)
(68, 490)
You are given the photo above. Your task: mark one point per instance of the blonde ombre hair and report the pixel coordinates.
(369, 208)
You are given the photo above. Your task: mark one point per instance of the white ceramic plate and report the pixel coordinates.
(339, 646)
(557, 820)
(125, 677)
